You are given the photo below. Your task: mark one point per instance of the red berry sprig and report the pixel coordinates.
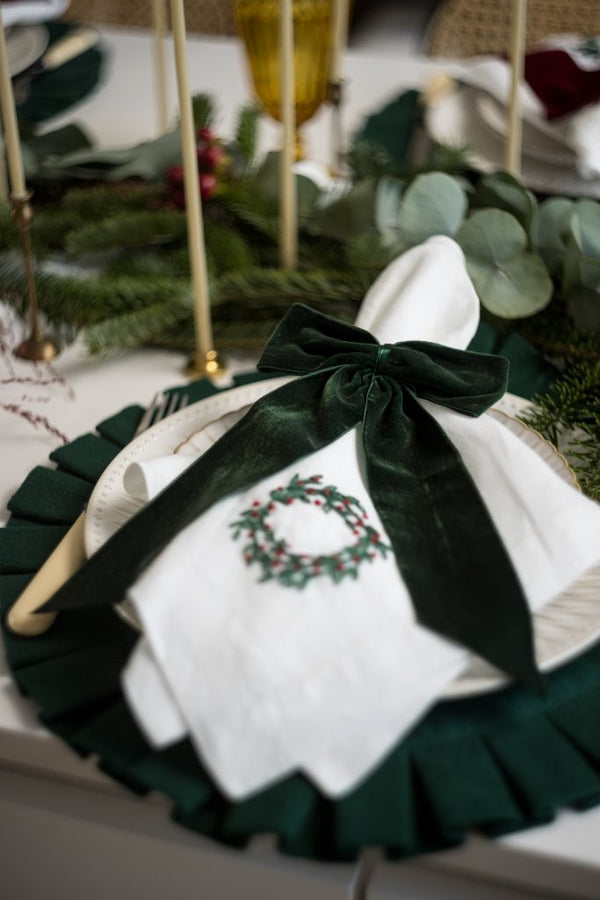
(212, 162)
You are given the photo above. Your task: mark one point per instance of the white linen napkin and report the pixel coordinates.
(577, 131)
(266, 678)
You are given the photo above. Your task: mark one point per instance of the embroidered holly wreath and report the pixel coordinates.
(278, 560)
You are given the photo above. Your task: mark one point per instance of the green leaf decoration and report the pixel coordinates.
(510, 282)
(502, 191)
(393, 127)
(267, 184)
(151, 159)
(549, 231)
(90, 164)
(351, 215)
(146, 161)
(388, 197)
(432, 204)
(584, 226)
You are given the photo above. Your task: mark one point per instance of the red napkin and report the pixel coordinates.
(565, 78)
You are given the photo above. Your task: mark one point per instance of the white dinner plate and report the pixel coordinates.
(454, 119)
(25, 44)
(564, 628)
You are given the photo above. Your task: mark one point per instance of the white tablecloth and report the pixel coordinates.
(72, 394)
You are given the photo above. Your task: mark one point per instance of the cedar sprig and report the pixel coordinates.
(568, 415)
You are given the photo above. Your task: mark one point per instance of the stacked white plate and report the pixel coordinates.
(471, 117)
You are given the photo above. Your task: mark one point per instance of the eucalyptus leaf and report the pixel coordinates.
(432, 204)
(584, 226)
(151, 159)
(509, 281)
(549, 231)
(502, 191)
(267, 183)
(267, 179)
(388, 196)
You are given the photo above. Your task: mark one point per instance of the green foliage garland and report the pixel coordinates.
(535, 261)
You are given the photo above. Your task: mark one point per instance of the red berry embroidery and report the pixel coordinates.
(278, 560)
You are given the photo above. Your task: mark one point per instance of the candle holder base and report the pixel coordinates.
(204, 364)
(36, 349)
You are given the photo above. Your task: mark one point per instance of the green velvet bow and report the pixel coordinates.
(456, 568)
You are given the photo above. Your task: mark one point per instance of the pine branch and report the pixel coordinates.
(244, 204)
(101, 201)
(280, 286)
(569, 415)
(367, 160)
(203, 110)
(229, 250)
(127, 229)
(246, 132)
(554, 333)
(134, 329)
(171, 263)
(82, 301)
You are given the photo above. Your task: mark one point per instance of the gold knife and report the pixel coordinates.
(65, 559)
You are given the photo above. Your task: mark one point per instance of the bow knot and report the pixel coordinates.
(383, 354)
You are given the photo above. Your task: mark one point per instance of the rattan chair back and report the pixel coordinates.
(202, 16)
(461, 28)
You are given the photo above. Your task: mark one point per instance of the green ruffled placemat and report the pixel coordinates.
(496, 763)
(55, 91)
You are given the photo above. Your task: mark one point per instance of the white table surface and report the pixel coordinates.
(61, 820)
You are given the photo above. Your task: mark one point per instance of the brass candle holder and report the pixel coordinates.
(204, 364)
(36, 347)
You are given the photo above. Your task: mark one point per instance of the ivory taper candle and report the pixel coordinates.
(202, 319)
(159, 20)
(512, 157)
(340, 39)
(11, 129)
(288, 202)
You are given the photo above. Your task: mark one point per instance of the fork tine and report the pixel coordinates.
(146, 418)
(161, 406)
(172, 404)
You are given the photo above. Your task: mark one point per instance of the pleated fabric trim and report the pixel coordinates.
(494, 764)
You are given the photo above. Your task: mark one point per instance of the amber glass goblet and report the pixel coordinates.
(258, 26)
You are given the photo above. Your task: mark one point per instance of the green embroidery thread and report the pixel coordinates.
(278, 561)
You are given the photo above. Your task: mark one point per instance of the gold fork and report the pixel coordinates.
(69, 554)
